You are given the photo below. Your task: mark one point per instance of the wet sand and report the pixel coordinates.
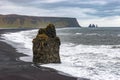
(11, 68)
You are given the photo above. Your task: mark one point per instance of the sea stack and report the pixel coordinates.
(46, 46)
(93, 26)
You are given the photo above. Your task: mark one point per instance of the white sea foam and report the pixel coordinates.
(78, 33)
(118, 35)
(94, 62)
(98, 62)
(22, 41)
(92, 34)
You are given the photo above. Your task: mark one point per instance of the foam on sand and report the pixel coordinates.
(97, 62)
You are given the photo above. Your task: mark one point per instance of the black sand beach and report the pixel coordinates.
(11, 68)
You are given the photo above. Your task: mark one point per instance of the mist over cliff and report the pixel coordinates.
(22, 21)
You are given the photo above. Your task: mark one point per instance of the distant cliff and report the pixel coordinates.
(21, 21)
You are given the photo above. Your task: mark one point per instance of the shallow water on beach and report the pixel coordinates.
(92, 53)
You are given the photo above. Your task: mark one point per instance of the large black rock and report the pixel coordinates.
(46, 46)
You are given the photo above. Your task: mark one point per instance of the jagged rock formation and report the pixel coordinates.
(93, 26)
(46, 46)
(21, 21)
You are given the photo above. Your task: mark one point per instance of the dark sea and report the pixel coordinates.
(92, 53)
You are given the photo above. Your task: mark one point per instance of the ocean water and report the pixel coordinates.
(92, 53)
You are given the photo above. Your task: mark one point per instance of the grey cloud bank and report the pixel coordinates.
(103, 12)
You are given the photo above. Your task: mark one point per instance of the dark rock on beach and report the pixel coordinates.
(46, 46)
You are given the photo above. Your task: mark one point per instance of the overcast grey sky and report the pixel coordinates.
(101, 12)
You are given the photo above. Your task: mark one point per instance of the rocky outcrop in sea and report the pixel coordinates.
(46, 46)
(93, 26)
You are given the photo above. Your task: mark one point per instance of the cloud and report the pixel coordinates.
(92, 2)
(48, 1)
(112, 21)
(35, 1)
(10, 8)
(102, 12)
(60, 12)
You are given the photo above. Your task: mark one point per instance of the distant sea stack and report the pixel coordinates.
(22, 21)
(93, 26)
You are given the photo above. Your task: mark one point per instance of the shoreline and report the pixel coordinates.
(12, 68)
